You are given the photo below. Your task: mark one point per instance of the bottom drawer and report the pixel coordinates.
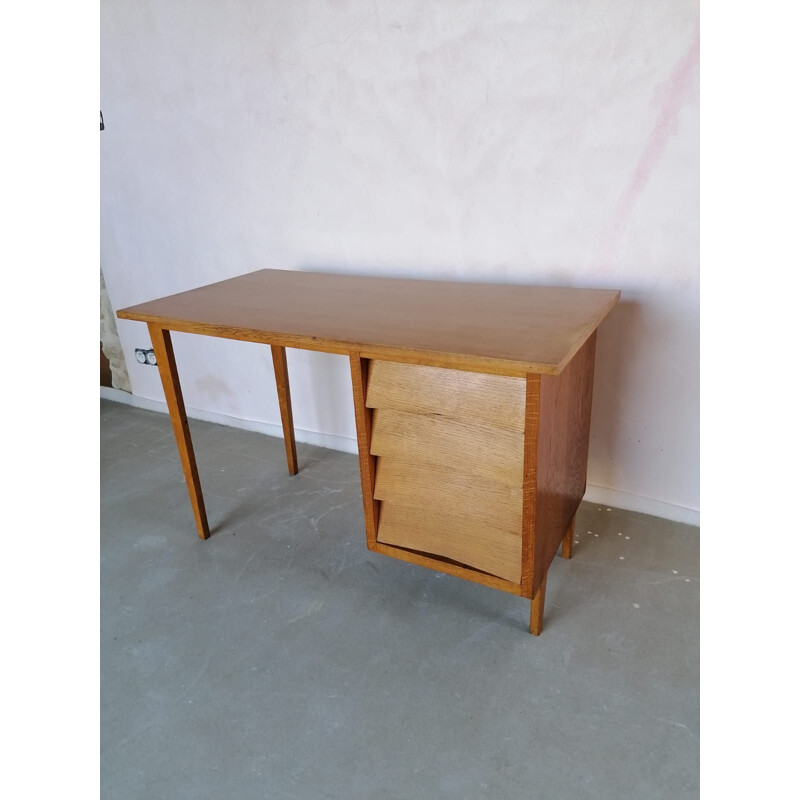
(464, 539)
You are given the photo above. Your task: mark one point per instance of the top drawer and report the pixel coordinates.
(486, 400)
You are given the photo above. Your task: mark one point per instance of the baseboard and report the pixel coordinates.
(594, 494)
(644, 505)
(329, 440)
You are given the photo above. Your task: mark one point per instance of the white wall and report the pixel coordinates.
(538, 142)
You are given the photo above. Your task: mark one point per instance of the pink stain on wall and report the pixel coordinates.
(678, 86)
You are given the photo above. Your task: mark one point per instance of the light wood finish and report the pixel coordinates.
(358, 372)
(285, 402)
(537, 608)
(490, 453)
(162, 347)
(479, 327)
(565, 409)
(459, 537)
(472, 419)
(532, 385)
(449, 477)
(468, 397)
(453, 493)
(566, 544)
(448, 567)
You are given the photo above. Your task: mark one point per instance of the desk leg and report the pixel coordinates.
(162, 346)
(537, 608)
(566, 544)
(285, 402)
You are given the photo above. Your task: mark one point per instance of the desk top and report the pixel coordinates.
(482, 327)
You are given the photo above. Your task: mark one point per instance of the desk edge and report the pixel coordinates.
(433, 358)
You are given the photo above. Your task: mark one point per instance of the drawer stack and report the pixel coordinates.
(449, 448)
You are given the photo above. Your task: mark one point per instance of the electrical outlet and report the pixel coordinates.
(146, 356)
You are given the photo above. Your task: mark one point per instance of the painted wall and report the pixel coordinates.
(541, 142)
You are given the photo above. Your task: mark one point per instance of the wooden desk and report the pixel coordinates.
(472, 405)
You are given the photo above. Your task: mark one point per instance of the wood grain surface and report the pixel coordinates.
(469, 397)
(442, 564)
(481, 327)
(491, 453)
(565, 409)
(472, 406)
(569, 538)
(449, 449)
(165, 357)
(537, 608)
(458, 536)
(285, 402)
(530, 447)
(452, 492)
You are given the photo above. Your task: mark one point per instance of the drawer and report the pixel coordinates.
(474, 398)
(450, 491)
(456, 446)
(460, 537)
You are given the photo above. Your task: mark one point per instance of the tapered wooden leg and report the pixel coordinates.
(162, 347)
(285, 402)
(537, 608)
(566, 544)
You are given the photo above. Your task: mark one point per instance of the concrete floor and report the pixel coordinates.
(282, 659)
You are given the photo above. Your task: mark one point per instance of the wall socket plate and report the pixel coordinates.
(146, 356)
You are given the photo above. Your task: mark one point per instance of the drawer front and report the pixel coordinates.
(451, 492)
(491, 453)
(461, 538)
(449, 448)
(483, 400)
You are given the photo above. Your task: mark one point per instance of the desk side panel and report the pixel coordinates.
(565, 409)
